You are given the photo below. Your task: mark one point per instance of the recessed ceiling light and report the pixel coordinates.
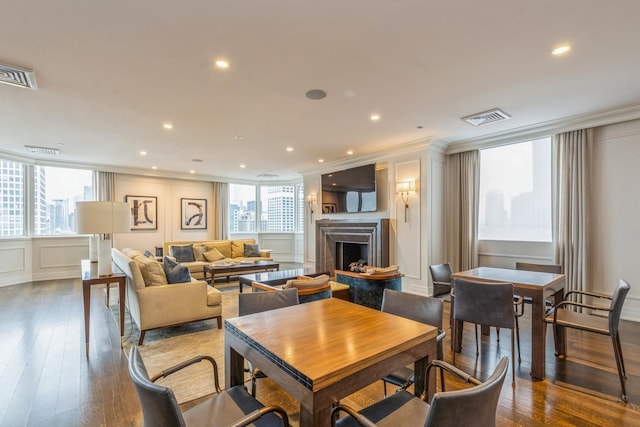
(315, 94)
(242, 166)
(167, 126)
(143, 153)
(320, 160)
(374, 117)
(561, 50)
(222, 63)
(154, 167)
(350, 153)
(197, 160)
(238, 137)
(192, 171)
(289, 149)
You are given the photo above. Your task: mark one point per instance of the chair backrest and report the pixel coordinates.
(256, 302)
(542, 268)
(440, 272)
(473, 406)
(159, 405)
(412, 306)
(484, 303)
(617, 300)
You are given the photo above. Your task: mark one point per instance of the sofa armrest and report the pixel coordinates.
(265, 253)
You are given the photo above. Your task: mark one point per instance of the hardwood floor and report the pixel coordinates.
(45, 378)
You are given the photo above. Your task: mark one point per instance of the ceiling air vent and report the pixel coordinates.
(267, 175)
(41, 150)
(16, 76)
(486, 117)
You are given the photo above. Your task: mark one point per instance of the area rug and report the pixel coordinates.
(166, 347)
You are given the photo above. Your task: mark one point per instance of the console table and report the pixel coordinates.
(90, 277)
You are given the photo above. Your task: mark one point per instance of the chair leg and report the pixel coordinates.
(141, 337)
(498, 334)
(518, 339)
(624, 371)
(513, 362)
(618, 354)
(384, 388)
(477, 351)
(254, 383)
(555, 340)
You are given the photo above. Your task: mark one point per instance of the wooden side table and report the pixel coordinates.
(90, 277)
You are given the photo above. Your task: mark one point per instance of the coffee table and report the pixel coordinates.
(229, 270)
(274, 278)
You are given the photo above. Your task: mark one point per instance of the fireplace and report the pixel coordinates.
(340, 242)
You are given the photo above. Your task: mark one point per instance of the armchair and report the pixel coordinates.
(561, 316)
(230, 407)
(475, 406)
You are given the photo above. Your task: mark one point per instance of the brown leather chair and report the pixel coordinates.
(160, 407)
(420, 308)
(475, 406)
(487, 304)
(562, 316)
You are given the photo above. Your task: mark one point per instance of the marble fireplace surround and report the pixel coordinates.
(372, 232)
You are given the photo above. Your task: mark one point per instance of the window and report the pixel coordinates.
(515, 192)
(242, 208)
(55, 193)
(280, 208)
(12, 191)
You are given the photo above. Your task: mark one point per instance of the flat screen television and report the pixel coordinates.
(349, 191)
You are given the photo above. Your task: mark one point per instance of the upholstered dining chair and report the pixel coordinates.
(475, 406)
(540, 268)
(420, 308)
(257, 302)
(563, 316)
(487, 304)
(441, 278)
(230, 407)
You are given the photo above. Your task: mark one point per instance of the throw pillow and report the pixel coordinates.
(183, 253)
(152, 271)
(310, 283)
(148, 254)
(251, 251)
(213, 255)
(198, 252)
(175, 272)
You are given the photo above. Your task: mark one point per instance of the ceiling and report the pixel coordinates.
(111, 73)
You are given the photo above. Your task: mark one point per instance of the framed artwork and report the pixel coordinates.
(193, 214)
(144, 212)
(328, 208)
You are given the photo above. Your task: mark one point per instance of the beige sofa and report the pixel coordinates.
(231, 250)
(154, 305)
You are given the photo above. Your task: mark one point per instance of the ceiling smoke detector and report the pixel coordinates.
(42, 150)
(16, 76)
(486, 117)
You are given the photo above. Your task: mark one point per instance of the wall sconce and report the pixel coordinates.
(404, 188)
(311, 200)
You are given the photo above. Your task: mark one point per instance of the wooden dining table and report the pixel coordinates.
(323, 351)
(532, 284)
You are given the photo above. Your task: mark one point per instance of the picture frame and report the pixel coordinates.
(193, 214)
(144, 212)
(328, 208)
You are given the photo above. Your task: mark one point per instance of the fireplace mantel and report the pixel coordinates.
(373, 232)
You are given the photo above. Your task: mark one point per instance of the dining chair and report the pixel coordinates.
(230, 407)
(486, 304)
(257, 302)
(474, 406)
(540, 268)
(441, 278)
(420, 308)
(563, 317)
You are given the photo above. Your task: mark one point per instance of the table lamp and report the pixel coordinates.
(102, 218)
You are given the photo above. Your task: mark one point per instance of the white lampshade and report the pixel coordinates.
(405, 186)
(102, 218)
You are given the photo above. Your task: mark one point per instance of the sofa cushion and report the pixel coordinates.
(198, 252)
(224, 246)
(214, 296)
(183, 253)
(251, 251)
(213, 255)
(175, 272)
(151, 270)
(310, 283)
(237, 246)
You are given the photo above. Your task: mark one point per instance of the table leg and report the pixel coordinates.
(538, 337)
(233, 367)
(121, 295)
(561, 336)
(86, 303)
